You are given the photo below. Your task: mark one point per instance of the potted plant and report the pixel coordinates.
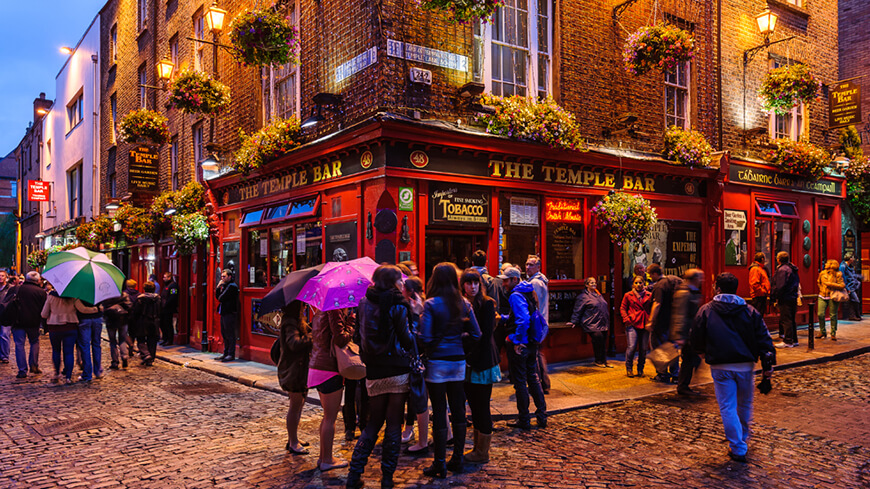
(463, 11)
(628, 218)
(136, 222)
(662, 46)
(188, 231)
(275, 140)
(688, 148)
(263, 37)
(786, 86)
(799, 158)
(93, 234)
(197, 92)
(530, 120)
(143, 125)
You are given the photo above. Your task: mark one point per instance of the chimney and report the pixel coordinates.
(40, 103)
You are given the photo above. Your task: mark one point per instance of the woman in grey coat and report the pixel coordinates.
(593, 315)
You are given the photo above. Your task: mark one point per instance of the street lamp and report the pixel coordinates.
(766, 22)
(66, 50)
(164, 69)
(214, 18)
(210, 164)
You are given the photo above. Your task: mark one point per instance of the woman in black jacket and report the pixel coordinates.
(483, 365)
(294, 350)
(386, 338)
(146, 313)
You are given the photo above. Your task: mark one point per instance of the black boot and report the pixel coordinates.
(455, 464)
(358, 461)
(439, 466)
(390, 456)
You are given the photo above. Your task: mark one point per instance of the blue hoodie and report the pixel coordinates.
(518, 321)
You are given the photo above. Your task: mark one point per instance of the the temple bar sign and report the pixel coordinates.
(845, 104)
(144, 169)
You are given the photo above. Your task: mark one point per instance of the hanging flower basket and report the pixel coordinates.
(271, 142)
(538, 121)
(189, 230)
(136, 222)
(263, 37)
(190, 198)
(688, 148)
(143, 125)
(197, 92)
(463, 11)
(628, 218)
(858, 170)
(93, 234)
(785, 87)
(37, 258)
(799, 158)
(662, 46)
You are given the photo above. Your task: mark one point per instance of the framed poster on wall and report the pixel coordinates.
(735, 233)
(261, 328)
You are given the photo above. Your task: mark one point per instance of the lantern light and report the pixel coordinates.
(66, 50)
(214, 18)
(164, 69)
(766, 22)
(210, 164)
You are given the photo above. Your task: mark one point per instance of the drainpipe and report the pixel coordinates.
(95, 159)
(719, 73)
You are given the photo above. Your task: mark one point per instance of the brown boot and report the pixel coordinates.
(480, 454)
(473, 451)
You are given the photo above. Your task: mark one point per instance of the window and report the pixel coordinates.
(113, 108)
(113, 44)
(519, 222)
(677, 96)
(173, 162)
(48, 153)
(199, 33)
(143, 14)
(143, 80)
(13, 191)
(791, 125)
(280, 86)
(75, 111)
(796, 3)
(775, 209)
(110, 171)
(564, 239)
(74, 191)
(173, 49)
(198, 144)
(771, 237)
(281, 259)
(519, 49)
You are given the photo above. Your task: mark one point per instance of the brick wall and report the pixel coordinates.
(854, 54)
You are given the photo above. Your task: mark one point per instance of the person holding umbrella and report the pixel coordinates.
(62, 326)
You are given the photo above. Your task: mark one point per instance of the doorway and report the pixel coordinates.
(452, 248)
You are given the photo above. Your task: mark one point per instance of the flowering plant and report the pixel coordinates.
(263, 37)
(688, 148)
(37, 258)
(143, 124)
(539, 121)
(275, 140)
(189, 230)
(629, 218)
(799, 158)
(136, 222)
(858, 169)
(190, 198)
(784, 87)
(463, 11)
(662, 46)
(96, 232)
(195, 91)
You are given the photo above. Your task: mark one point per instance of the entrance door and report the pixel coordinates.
(452, 248)
(824, 235)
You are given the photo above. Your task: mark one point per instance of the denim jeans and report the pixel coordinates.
(96, 345)
(5, 341)
(118, 344)
(637, 342)
(21, 357)
(524, 376)
(229, 323)
(63, 342)
(824, 305)
(734, 395)
(84, 342)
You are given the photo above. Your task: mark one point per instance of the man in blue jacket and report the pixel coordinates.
(784, 291)
(732, 336)
(853, 281)
(522, 351)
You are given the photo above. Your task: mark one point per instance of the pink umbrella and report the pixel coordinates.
(339, 284)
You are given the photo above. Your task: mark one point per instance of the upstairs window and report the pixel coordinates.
(199, 33)
(677, 96)
(142, 14)
(113, 44)
(74, 191)
(792, 124)
(143, 80)
(113, 109)
(281, 84)
(173, 162)
(75, 111)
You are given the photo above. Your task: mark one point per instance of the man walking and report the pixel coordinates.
(659, 323)
(687, 301)
(168, 308)
(30, 298)
(759, 284)
(540, 283)
(522, 352)
(732, 337)
(227, 294)
(5, 329)
(853, 281)
(785, 292)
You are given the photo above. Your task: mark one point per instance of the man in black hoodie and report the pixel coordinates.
(784, 291)
(168, 308)
(732, 336)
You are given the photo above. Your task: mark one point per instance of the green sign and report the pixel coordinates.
(406, 199)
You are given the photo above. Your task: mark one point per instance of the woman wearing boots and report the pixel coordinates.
(483, 362)
(447, 318)
(386, 338)
(414, 295)
(293, 354)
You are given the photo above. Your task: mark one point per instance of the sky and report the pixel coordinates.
(31, 34)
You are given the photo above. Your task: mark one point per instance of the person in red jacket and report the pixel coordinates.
(759, 284)
(634, 310)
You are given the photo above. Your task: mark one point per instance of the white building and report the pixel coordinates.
(70, 152)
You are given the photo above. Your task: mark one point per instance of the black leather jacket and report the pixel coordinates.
(384, 344)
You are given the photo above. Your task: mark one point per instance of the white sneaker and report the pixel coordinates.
(780, 344)
(407, 438)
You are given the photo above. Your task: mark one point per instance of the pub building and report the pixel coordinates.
(396, 189)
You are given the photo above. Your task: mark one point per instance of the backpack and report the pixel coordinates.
(538, 327)
(10, 308)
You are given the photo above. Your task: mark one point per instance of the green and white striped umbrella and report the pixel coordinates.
(83, 274)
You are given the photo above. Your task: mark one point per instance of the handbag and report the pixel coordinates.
(275, 351)
(839, 296)
(416, 382)
(350, 365)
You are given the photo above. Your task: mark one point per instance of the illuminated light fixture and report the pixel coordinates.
(210, 164)
(170, 211)
(320, 100)
(66, 50)
(214, 18)
(766, 22)
(313, 119)
(39, 236)
(41, 111)
(112, 206)
(841, 162)
(164, 69)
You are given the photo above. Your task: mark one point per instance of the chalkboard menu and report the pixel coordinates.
(564, 251)
(562, 305)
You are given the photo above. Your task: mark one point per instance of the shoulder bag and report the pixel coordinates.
(418, 399)
(839, 296)
(350, 365)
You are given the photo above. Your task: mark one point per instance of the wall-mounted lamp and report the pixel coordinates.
(170, 211)
(212, 163)
(66, 50)
(39, 236)
(323, 100)
(214, 18)
(41, 111)
(841, 163)
(113, 206)
(471, 89)
(164, 69)
(766, 22)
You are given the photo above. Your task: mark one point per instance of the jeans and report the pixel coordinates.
(21, 357)
(84, 342)
(524, 376)
(637, 341)
(63, 342)
(787, 313)
(734, 395)
(5, 341)
(96, 345)
(228, 333)
(760, 304)
(824, 305)
(118, 345)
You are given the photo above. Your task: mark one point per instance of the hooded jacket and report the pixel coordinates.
(442, 334)
(294, 340)
(541, 284)
(31, 299)
(591, 312)
(145, 317)
(385, 325)
(759, 281)
(785, 283)
(727, 331)
(852, 279)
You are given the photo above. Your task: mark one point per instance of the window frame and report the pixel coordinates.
(75, 111)
(795, 131)
(113, 44)
(198, 33)
(142, 15)
(265, 231)
(271, 82)
(677, 89)
(173, 49)
(113, 113)
(143, 80)
(74, 184)
(173, 163)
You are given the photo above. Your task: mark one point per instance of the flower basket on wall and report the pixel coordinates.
(196, 92)
(271, 142)
(136, 222)
(263, 37)
(188, 231)
(785, 87)
(662, 46)
(688, 148)
(463, 11)
(628, 218)
(37, 258)
(799, 158)
(143, 125)
(538, 121)
(93, 234)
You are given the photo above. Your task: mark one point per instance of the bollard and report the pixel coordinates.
(811, 339)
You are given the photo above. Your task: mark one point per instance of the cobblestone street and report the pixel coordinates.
(169, 426)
